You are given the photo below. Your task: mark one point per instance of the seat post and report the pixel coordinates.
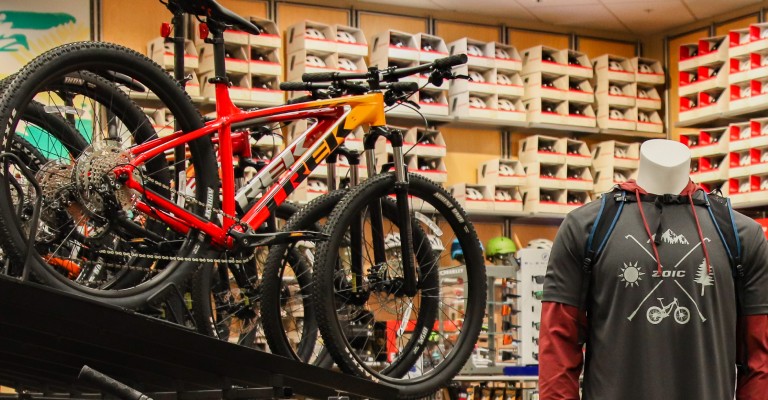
(217, 40)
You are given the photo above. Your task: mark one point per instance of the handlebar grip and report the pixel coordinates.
(319, 76)
(450, 61)
(404, 86)
(109, 385)
(297, 86)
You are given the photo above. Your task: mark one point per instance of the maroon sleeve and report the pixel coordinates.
(560, 354)
(754, 384)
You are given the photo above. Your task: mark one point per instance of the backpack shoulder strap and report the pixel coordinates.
(721, 212)
(611, 206)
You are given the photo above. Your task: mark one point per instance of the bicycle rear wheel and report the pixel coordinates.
(422, 341)
(287, 315)
(89, 236)
(226, 299)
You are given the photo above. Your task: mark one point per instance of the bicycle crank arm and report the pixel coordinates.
(250, 240)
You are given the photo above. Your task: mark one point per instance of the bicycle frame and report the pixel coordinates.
(335, 119)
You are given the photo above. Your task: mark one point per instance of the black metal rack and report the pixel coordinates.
(46, 336)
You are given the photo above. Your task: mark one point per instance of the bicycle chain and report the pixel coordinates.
(157, 257)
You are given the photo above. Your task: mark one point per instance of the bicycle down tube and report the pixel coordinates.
(289, 169)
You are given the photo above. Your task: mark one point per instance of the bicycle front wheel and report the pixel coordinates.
(371, 327)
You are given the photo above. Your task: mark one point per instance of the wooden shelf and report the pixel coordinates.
(724, 118)
(531, 128)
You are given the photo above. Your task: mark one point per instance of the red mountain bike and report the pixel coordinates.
(98, 207)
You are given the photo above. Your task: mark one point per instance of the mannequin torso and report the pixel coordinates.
(664, 166)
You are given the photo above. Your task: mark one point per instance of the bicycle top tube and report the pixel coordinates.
(336, 117)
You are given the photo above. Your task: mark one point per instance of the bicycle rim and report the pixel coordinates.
(422, 341)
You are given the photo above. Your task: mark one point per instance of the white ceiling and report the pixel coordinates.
(628, 16)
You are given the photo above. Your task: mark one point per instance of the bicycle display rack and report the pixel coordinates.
(46, 337)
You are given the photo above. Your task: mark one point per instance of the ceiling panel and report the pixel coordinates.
(592, 16)
(628, 16)
(710, 8)
(651, 17)
(554, 3)
(427, 4)
(506, 9)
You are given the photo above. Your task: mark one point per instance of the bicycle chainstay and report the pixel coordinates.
(157, 257)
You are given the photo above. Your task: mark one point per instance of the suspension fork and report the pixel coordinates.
(410, 275)
(374, 209)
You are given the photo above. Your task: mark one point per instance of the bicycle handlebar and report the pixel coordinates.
(387, 75)
(109, 385)
(440, 63)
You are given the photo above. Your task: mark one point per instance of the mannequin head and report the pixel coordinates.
(664, 166)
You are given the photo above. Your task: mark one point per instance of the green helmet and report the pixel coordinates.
(500, 245)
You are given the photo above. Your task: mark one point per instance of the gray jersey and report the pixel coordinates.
(669, 336)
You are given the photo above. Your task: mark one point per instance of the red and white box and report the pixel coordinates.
(543, 200)
(740, 163)
(616, 93)
(473, 197)
(269, 36)
(462, 105)
(545, 111)
(578, 178)
(577, 153)
(605, 177)
(508, 84)
(649, 120)
(479, 54)
(610, 67)
(738, 42)
(706, 51)
(483, 80)
(580, 90)
(265, 90)
(648, 70)
(707, 142)
(544, 59)
(431, 47)
(236, 60)
(616, 117)
(507, 57)
(552, 176)
(161, 51)
(579, 65)
(545, 86)
(648, 97)
(350, 41)
(501, 172)
(615, 154)
(300, 62)
(542, 149)
(740, 135)
(394, 45)
(709, 168)
(310, 35)
(265, 61)
(510, 109)
(427, 142)
(580, 114)
(507, 199)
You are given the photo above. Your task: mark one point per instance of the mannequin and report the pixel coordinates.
(658, 321)
(664, 166)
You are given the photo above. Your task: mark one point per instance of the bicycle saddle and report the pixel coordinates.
(216, 12)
